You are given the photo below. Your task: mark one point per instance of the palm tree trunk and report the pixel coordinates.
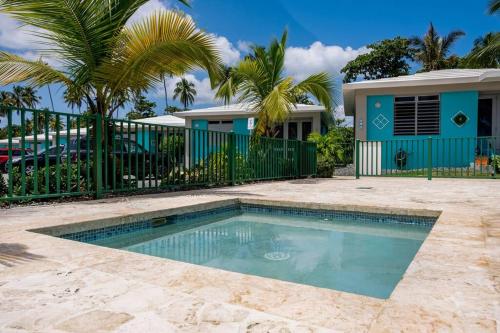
(51, 100)
(165, 89)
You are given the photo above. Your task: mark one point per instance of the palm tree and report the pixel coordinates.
(186, 92)
(6, 100)
(432, 50)
(102, 57)
(494, 7)
(486, 52)
(30, 98)
(260, 82)
(489, 47)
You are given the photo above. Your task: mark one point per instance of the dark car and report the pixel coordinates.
(125, 149)
(51, 156)
(16, 154)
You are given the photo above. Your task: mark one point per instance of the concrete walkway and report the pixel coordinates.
(49, 284)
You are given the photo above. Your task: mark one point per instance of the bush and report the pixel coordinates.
(496, 163)
(78, 181)
(325, 167)
(3, 186)
(335, 148)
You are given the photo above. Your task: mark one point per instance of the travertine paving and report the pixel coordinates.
(49, 284)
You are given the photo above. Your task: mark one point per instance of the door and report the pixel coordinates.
(485, 117)
(488, 120)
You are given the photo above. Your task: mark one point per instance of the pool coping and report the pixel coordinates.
(92, 224)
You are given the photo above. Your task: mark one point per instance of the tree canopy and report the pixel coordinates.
(387, 58)
(142, 108)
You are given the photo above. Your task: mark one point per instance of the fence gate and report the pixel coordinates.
(465, 157)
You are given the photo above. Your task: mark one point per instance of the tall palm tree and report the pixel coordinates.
(494, 7)
(432, 50)
(259, 81)
(17, 94)
(486, 52)
(186, 92)
(6, 100)
(30, 97)
(102, 56)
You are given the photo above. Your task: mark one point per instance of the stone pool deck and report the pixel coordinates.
(49, 284)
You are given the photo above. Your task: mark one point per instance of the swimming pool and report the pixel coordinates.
(362, 253)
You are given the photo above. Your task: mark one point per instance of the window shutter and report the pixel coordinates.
(428, 115)
(404, 116)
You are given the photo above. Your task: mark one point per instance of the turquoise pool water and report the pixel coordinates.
(349, 254)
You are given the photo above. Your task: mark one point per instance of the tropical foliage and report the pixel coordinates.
(142, 108)
(19, 97)
(185, 91)
(494, 6)
(335, 148)
(102, 58)
(486, 52)
(432, 50)
(387, 58)
(171, 109)
(259, 81)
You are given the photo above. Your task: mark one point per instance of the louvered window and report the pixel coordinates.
(416, 115)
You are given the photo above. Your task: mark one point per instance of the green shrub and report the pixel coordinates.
(3, 186)
(496, 163)
(78, 182)
(335, 148)
(325, 167)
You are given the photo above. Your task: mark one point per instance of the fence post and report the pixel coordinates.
(232, 158)
(298, 158)
(98, 155)
(429, 158)
(357, 159)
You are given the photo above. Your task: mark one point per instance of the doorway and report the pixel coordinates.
(488, 119)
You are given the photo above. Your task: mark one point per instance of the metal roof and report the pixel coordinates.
(167, 120)
(241, 109)
(445, 76)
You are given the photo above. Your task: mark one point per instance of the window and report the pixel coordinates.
(416, 115)
(306, 130)
(220, 125)
(292, 131)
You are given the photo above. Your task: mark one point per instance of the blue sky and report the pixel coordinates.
(323, 35)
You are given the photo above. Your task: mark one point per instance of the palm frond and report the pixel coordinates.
(451, 38)
(165, 42)
(494, 6)
(14, 68)
(276, 107)
(320, 86)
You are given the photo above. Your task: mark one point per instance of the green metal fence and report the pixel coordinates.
(49, 154)
(464, 157)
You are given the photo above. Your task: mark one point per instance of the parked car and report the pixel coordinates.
(16, 154)
(51, 155)
(121, 150)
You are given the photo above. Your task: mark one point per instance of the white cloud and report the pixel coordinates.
(14, 36)
(303, 61)
(204, 93)
(229, 54)
(147, 9)
(244, 46)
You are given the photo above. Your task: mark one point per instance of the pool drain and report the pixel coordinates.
(277, 256)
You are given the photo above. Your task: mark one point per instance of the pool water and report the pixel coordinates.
(352, 255)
